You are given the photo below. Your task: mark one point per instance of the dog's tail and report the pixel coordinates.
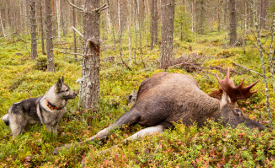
(6, 119)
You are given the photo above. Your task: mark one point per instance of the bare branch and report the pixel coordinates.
(103, 7)
(78, 32)
(82, 9)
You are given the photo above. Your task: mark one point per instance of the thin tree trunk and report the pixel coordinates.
(58, 16)
(33, 30)
(219, 20)
(89, 89)
(271, 62)
(25, 18)
(49, 36)
(264, 73)
(129, 33)
(167, 28)
(53, 18)
(41, 29)
(192, 12)
(2, 25)
(263, 13)
(225, 4)
(75, 48)
(233, 23)
(154, 24)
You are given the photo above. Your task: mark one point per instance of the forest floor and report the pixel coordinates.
(211, 146)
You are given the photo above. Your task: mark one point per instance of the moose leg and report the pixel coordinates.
(147, 131)
(131, 117)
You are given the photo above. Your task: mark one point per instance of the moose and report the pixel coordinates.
(165, 98)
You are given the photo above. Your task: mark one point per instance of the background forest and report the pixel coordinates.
(123, 42)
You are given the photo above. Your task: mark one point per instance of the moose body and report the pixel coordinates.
(165, 98)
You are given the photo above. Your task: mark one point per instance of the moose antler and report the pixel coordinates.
(238, 92)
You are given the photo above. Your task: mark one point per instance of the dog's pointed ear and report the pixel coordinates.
(58, 85)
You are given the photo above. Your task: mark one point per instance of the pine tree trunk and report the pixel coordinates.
(33, 30)
(89, 91)
(129, 32)
(263, 13)
(233, 23)
(49, 36)
(219, 20)
(167, 28)
(154, 23)
(41, 29)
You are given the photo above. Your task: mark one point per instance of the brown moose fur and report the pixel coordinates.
(165, 98)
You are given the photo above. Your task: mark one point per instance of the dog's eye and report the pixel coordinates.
(67, 90)
(237, 112)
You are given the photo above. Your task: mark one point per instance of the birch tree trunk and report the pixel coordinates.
(58, 16)
(89, 89)
(33, 30)
(75, 48)
(167, 29)
(264, 74)
(49, 36)
(2, 25)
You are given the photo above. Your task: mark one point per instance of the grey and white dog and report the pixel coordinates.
(48, 109)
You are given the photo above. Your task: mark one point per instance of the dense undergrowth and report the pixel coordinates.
(211, 146)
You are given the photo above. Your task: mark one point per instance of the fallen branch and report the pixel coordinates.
(191, 65)
(250, 70)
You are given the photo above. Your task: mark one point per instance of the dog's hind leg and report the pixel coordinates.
(17, 124)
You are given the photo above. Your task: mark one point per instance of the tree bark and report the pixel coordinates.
(75, 48)
(233, 23)
(49, 36)
(41, 29)
(154, 23)
(89, 89)
(219, 20)
(2, 25)
(263, 13)
(33, 30)
(58, 16)
(167, 29)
